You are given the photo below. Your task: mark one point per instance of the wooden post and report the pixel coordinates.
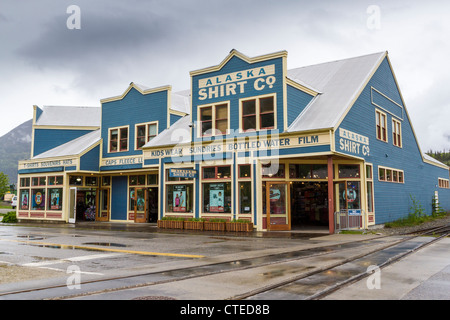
(330, 196)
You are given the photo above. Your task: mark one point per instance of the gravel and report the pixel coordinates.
(401, 230)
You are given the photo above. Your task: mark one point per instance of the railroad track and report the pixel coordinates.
(156, 278)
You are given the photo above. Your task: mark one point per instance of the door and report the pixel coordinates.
(140, 208)
(103, 207)
(277, 200)
(72, 205)
(348, 195)
(152, 204)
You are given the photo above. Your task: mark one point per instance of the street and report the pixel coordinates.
(125, 262)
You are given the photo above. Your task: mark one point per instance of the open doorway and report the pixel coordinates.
(86, 203)
(309, 204)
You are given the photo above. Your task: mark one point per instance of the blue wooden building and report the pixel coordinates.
(250, 140)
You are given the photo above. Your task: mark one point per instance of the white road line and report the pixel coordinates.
(73, 259)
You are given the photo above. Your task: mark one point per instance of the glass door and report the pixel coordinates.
(140, 209)
(348, 195)
(277, 200)
(103, 207)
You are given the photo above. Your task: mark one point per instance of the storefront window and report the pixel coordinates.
(245, 197)
(38, 181)
(152, 179)
(221, 172)
(76, 180)
(24, 182)
(273, 170)
(137, 180)
(179, 198)
(55, 197)
(91, 181)
(38, 199)
(106, 181)
(55, 181)
(245, 171)
(308, 171)
(217, 197)
(24, 199)
(348, 171)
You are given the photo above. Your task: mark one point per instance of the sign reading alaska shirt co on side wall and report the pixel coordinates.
(236, 82)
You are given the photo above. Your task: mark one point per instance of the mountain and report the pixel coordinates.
(15, 146)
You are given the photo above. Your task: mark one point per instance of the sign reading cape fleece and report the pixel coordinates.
(179, 198)
(216, 196)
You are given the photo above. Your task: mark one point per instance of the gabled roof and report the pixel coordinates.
(74, 147)
(62, 116)
(181, 101)
(338, 83)
(179, 132)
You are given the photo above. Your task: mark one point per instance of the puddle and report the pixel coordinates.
(31, 237)
(105, 244)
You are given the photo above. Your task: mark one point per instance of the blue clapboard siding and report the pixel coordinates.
(297, 100)
(236, 64)
(47, 139)
(393, 200)
(174, 118)
(119, 193)
(90, 161)
(133, 109)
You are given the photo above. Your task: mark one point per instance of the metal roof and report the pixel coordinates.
(74, 147)
(338, 84)
(179, 132)
(181, 101)
(69, 116)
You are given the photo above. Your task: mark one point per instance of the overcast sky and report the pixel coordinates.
(155, 43)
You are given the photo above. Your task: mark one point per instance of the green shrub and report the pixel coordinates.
(10, 217)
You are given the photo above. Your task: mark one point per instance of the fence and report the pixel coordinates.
(349, 219)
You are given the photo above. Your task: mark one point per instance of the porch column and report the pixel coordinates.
(330, 195)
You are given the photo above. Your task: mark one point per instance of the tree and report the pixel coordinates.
(4, 184)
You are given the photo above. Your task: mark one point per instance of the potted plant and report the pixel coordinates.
(171, 223)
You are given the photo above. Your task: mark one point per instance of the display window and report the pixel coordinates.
(273, 170)
(217, 197)
(24, 199)
(38, 199)
(55, 196)
(179, 198)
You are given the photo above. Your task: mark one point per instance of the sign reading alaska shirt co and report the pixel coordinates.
(236, 82)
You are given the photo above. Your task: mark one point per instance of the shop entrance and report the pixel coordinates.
(144, 202)
(86, 204)
(309, 204)
(277, 200)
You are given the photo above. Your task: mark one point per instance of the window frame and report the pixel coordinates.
(397, 133)
(119, 139)
(399, 174)
(258, 114)
(213, 120)
(146, 135)
(381, 125)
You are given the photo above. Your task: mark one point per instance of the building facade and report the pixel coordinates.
(251, 140)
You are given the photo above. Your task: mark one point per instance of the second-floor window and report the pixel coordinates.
(213, 120)
(144, 133)
(397, 133)
(118, 139)
(258, 113)
(381, 125)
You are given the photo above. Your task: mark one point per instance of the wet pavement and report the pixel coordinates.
(180, 264)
